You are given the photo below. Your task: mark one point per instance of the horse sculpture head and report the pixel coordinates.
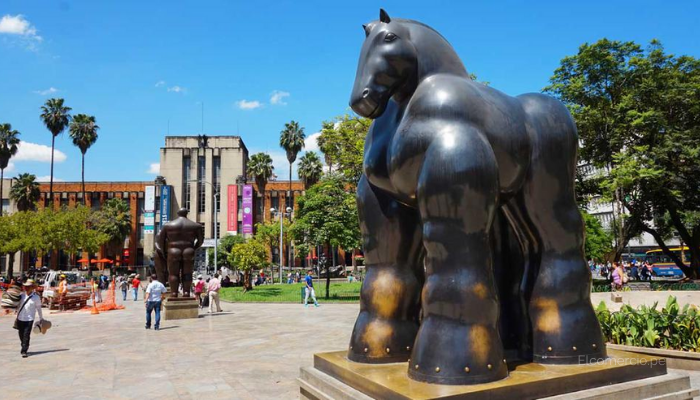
(387, 62)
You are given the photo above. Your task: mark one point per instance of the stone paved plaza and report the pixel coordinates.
(251, 351)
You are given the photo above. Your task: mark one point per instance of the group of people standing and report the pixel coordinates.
(208, 291)
(620, 273)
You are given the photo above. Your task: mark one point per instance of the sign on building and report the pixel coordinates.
(165, 204)
(150, 199)
(232, 209)
(247, 205)
(149, 220)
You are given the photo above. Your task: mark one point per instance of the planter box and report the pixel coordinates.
(674, 358)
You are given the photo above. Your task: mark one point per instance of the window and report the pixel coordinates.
(218, 230)
(95, 201)
(142, 234)
(201, 185)
(217, 181)
(275, 201)
(140, 204)
(5, 206)
(186, 164)
(204, 228)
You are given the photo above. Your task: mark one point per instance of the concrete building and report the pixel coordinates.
(197, 167)
(606, 214)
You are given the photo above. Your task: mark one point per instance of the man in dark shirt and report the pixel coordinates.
(310, 289)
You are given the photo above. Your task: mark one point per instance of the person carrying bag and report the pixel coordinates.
(24, 322)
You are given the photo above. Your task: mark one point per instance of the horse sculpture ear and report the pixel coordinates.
(383, 16)
(366, 29)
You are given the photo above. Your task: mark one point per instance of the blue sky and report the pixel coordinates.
(139, 66)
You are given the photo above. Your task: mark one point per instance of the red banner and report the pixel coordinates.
(233, 208)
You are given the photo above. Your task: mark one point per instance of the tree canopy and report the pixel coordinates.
(638, 116)
(342, 142)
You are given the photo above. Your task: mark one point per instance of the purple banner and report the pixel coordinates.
(247, 205)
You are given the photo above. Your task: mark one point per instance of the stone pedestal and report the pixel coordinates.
(621, 376)
(180, 308)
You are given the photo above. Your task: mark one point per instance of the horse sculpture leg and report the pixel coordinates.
(458, 341)
(389, 300)
(565, 328)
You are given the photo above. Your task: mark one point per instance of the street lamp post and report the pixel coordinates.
(216, 217)
(281, 215)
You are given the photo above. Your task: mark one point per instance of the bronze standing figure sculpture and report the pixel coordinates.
(472, 238)
(176, 244)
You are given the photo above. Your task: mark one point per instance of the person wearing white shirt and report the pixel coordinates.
(153, 300)
(30, 305)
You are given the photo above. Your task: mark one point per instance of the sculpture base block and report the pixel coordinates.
(180, 308)
(623, 375)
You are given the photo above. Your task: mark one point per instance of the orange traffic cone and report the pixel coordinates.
(94, 304)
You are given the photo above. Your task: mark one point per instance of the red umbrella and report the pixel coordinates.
(103, 260)
(83, 260)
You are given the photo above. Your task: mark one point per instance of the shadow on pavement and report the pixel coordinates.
(168, 327)
(215, 314)
(37, 353)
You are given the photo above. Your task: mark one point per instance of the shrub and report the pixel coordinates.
(669, 328)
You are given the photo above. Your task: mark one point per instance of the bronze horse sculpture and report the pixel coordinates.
(473, 242)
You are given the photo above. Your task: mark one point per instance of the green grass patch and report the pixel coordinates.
(339, 293)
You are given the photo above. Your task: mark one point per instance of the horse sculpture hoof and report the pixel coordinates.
(467, 355)
(379, 341)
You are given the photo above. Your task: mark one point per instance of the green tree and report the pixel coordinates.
(598, 242)
(260, 168)
(269, 233)
(224, 249)
(83, 131)
(638, 111)
(246, 256)
(327, 214)
(56, 117)
(342, 141)
(25, 192)
(9, 139)
(114, 220)
(292, 141)
(310, 169)
(17, 234)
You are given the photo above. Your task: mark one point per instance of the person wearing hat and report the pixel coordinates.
(30, 305)
(199, 289)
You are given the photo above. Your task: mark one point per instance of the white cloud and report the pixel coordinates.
(154, 169)
(310, 143)
(46, 92)
(177, 89)
(47, 178)
(10, 167)
(278, 96)
(20, 28)
(28, 151)
(248, 104)
(160, 83)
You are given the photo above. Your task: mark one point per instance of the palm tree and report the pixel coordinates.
(56, 118)
(326, 143)
(260, 169)
(292, 141)
(83, 131)
(114, 220)
(25, 192)
(9, 140)
(310, 168)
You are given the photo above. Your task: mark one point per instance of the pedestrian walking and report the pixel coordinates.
(310, 289)
(213, 289)
(199, 289)
(153, 301)
(30, 305)
(124, 287)
(98, 292)
(135, 283)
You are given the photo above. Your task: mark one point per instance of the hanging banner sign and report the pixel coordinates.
(247, 209)
(164, 204)
(232, 210)
(149, 204)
